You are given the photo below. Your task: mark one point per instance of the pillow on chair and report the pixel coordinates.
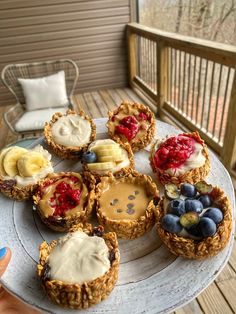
(45, 92)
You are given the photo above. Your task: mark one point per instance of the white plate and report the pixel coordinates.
(151, 280)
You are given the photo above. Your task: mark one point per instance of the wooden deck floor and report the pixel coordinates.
(220, 296)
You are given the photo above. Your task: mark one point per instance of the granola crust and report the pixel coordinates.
(17, 193)
(68, 152)
(141, 142)
(65, 223)
(191, 176)
(122, 171)
(130, 229)
(80, 296)
(199, 249)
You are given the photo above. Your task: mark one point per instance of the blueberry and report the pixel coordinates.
(176, 207)
(89, 157)
(215, 214)
(195, 231)
(193, 206)
(205, 200)
(189, 219)
(188, 190)
(207, 227)
(171, 223)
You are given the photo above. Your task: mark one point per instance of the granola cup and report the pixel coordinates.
(68, 152)
(120, 169)
(80, 296)
(11, 190)
(191, 176)
(123, 227)
(203, 248)
(146, 124)
(64, 221)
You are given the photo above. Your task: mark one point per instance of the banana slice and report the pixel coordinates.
(109, 152)
(101, 166)
(2, 155)
(31, 163)
(11, 158)
(106, 146)
(117, 158)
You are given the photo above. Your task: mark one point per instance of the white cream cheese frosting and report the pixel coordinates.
(78, 258)
(196, 160)
(71, 130)
(123, 164)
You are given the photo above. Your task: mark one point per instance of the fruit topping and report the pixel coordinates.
(31, 163)
(142, 116)
(193, 206)
(188, 190)
(203, 187)
(207, 227)
(177, 207)
(189, 219)
(171, 191)
(195, 231)
(128, 127)
(173, 153)
(10, 160)
(215, 214)
(101, 166)
(89, 157)
(171, 223)
(205, 200)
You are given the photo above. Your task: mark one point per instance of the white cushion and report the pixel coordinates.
(45, 92)
(35, 120)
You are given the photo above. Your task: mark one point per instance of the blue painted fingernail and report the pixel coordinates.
(3, 252)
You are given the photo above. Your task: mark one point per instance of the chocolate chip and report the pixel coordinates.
(131, 197)
(112, 256)
(130, 205)
(114, 202)
(46, 272)
(136, 192)
(119, 210)
(98, 231)
(130, 211)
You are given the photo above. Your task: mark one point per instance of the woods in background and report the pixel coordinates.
(208, 19)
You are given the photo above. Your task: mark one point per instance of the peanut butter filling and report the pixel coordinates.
(124, 200)
(46, 203)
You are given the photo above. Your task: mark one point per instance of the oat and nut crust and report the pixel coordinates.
(65, 223)
(129, 229)
(199, 249)
(139, 144)
(80, 296)
(68, 152)
(17, 193)
(192, 176)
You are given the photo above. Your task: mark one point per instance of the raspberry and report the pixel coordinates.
(74, 179)
(128, 127)
(143, 116)
(62, 187)
(73, 196)
(174, 152)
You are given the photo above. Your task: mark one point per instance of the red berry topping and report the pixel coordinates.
(143, 116)
(174, 152)
(62, 187)
(128, 127)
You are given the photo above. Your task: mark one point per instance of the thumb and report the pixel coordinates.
(5, 256)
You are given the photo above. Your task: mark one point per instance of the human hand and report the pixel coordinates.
(8, 303)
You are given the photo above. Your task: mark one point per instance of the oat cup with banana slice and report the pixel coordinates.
(69, 134)
(108, 156)
(126, 205)
(65, 199)
(21, 169)
(194, 221)
(80, 269)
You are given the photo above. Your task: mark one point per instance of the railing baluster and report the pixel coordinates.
(189, 78)
(175, 77)
(204, 93)
(193, 88)
(198, 89)
(217, 102)
(179, 87)
(183, 88)
(210, 96)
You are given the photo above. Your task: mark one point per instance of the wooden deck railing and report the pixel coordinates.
(190, 80)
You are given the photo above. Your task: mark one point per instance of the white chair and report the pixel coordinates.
(22, 121)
